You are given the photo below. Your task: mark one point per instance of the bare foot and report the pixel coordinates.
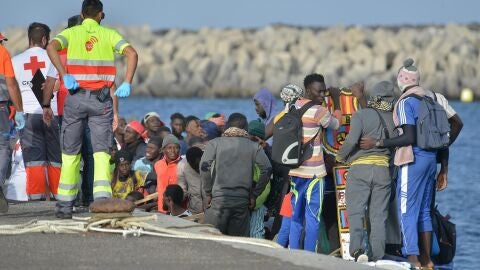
(413, 259)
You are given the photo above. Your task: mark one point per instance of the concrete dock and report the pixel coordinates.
(94, 250)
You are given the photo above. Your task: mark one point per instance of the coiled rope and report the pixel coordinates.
(133, 225)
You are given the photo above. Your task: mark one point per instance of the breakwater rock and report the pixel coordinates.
(237, 62)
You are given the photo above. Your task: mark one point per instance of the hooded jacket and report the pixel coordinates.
(267, 100)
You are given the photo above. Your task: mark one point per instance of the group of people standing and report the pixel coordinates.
(221, 167)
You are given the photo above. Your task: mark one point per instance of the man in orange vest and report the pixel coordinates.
(89, 74)
(9, 90)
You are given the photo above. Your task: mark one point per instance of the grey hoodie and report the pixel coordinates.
(226, 167)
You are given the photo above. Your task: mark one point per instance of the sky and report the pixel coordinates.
(194, 14)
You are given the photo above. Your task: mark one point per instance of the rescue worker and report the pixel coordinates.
(40, 142)
(9, 90)
(89, 74)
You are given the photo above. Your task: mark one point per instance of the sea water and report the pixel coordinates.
(460, 200)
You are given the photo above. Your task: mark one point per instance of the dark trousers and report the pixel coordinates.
(230, 215)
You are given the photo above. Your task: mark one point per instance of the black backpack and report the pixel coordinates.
(446, 236)
(288, 148)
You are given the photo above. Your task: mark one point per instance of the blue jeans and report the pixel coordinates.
(307, 199)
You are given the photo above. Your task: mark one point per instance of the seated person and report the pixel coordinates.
(123, 179)
(134, 196)
(166, 168)
(188, 173)
(153, 153)
(152, 123)
(164, 131)
(172, 202)
(134, 142)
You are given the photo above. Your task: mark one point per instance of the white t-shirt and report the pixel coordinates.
(443, 102)
(25, 65)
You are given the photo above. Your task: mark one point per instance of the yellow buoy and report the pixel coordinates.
(466, 95)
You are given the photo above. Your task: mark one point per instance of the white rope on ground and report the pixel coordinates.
(135, 226)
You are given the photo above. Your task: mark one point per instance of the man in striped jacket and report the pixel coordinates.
(307, 181)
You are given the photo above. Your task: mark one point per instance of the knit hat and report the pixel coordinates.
(291, 92)
(123, 155)
(170, 139)
(135, 125)
(384, 91)
(150, 115)
(256, 128)
(408, 75)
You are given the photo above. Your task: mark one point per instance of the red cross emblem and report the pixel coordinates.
(34, 65)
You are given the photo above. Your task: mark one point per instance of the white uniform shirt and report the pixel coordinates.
(443, 102)
(25, 65)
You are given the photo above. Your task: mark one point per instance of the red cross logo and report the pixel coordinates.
(34, 65)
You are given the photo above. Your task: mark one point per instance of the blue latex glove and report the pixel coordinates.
(19, 120)
(70, 82)
(123, 90)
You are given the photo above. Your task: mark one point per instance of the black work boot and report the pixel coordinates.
(63, 210)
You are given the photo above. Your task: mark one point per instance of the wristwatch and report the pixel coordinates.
(45, 105)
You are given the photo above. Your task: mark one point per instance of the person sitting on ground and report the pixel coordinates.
(226, 168)
(210, 129)
(152, 124)
(164, 131)
(134, 142)
(119, 133)
(123, 179)
(369, 181)
(189, 179)
(218, 119)
(177, 124)
(166, 168)
(143, 167)
(193, 129)
(134, 196)
(172, 202)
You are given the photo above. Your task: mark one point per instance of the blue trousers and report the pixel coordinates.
(284, 232)
(307, 199)
(414, 196)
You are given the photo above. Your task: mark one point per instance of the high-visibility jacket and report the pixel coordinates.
(6, 71)
(91, 53)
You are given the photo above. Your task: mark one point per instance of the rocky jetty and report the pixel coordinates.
(237, 62)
